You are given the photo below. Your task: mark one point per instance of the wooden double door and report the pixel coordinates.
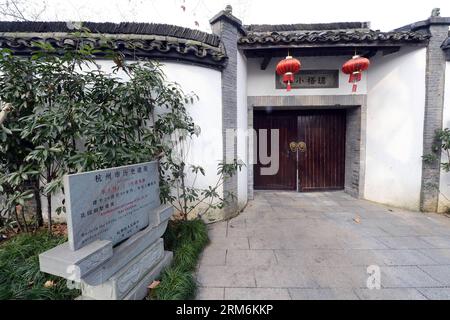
(311, 150)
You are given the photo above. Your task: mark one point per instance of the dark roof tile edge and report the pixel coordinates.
(306, 26)
(425, 24)
(159, 48)
(113, 28)
(446, 44)
(335, 36)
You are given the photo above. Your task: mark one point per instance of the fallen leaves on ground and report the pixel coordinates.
(357, 219)
(59, 229)
(49, 284)
(154, 284)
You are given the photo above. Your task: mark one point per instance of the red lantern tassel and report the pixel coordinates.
(288, 86)
(351, 78)
(354, 87)
(355, 77)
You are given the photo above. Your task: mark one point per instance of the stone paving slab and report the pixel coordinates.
(288, 245)
(230, 243)
(396, 230)
(322, 294)
(405, 243)
(441, 273)
(256, 294)
(308, 257)
(390, 294)
(284, 277)
(225, 276)
(438, 241)
(436, 293)
(204, 293)
(401, 257)
(440, 256)
(340, 277)
(250, 257)
(407, 277)
(213, 256)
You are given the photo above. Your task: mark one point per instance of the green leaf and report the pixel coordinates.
(6, 130)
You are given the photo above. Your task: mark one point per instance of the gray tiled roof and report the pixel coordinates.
(306, 26)
(446, 44)
(136, 40)
(113, 28)
(363, 36)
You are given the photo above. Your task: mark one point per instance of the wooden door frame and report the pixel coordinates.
(356, 106)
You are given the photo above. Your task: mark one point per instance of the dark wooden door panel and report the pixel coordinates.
(322, 165)
(285, 178)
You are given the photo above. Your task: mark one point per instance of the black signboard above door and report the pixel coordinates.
(311, 79)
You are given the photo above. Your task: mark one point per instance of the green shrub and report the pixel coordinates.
(187, 240)
(20, 277)
(176, 284)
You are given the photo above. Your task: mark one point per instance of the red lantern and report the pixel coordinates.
(354, 67)
(287, 68)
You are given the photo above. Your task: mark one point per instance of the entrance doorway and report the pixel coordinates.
(311, 149)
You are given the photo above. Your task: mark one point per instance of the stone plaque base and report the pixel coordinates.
(127, 277)
(63, 262)
(140, 290)
(122, 272)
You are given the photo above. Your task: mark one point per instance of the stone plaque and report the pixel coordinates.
(311, 79)
(111, 204)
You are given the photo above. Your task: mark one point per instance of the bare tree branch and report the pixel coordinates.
(22, 10)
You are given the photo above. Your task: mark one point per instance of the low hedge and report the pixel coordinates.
(20, 277)
(186, 239)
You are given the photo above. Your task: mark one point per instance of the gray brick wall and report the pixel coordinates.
(251, 155)
(355, 151)
(228, 32)
(434, 104)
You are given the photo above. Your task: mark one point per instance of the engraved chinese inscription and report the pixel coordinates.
(311, 79)
(111, 204)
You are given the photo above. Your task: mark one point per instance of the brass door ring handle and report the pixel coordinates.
(293, 146)
(300, 146)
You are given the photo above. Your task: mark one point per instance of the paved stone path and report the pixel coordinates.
(288, 245)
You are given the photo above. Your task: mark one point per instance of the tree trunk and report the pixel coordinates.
(49, 212)
(37, 199)
(16, 216)
(22, 212)
(49, 196)
(183, 190)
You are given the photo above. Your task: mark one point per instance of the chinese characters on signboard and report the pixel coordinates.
(311, 79)
(111, 204)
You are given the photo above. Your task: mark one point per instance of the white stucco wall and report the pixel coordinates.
(444, 197)
(262, 82)
(395, 113)
(242, 124)
(205, 150)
